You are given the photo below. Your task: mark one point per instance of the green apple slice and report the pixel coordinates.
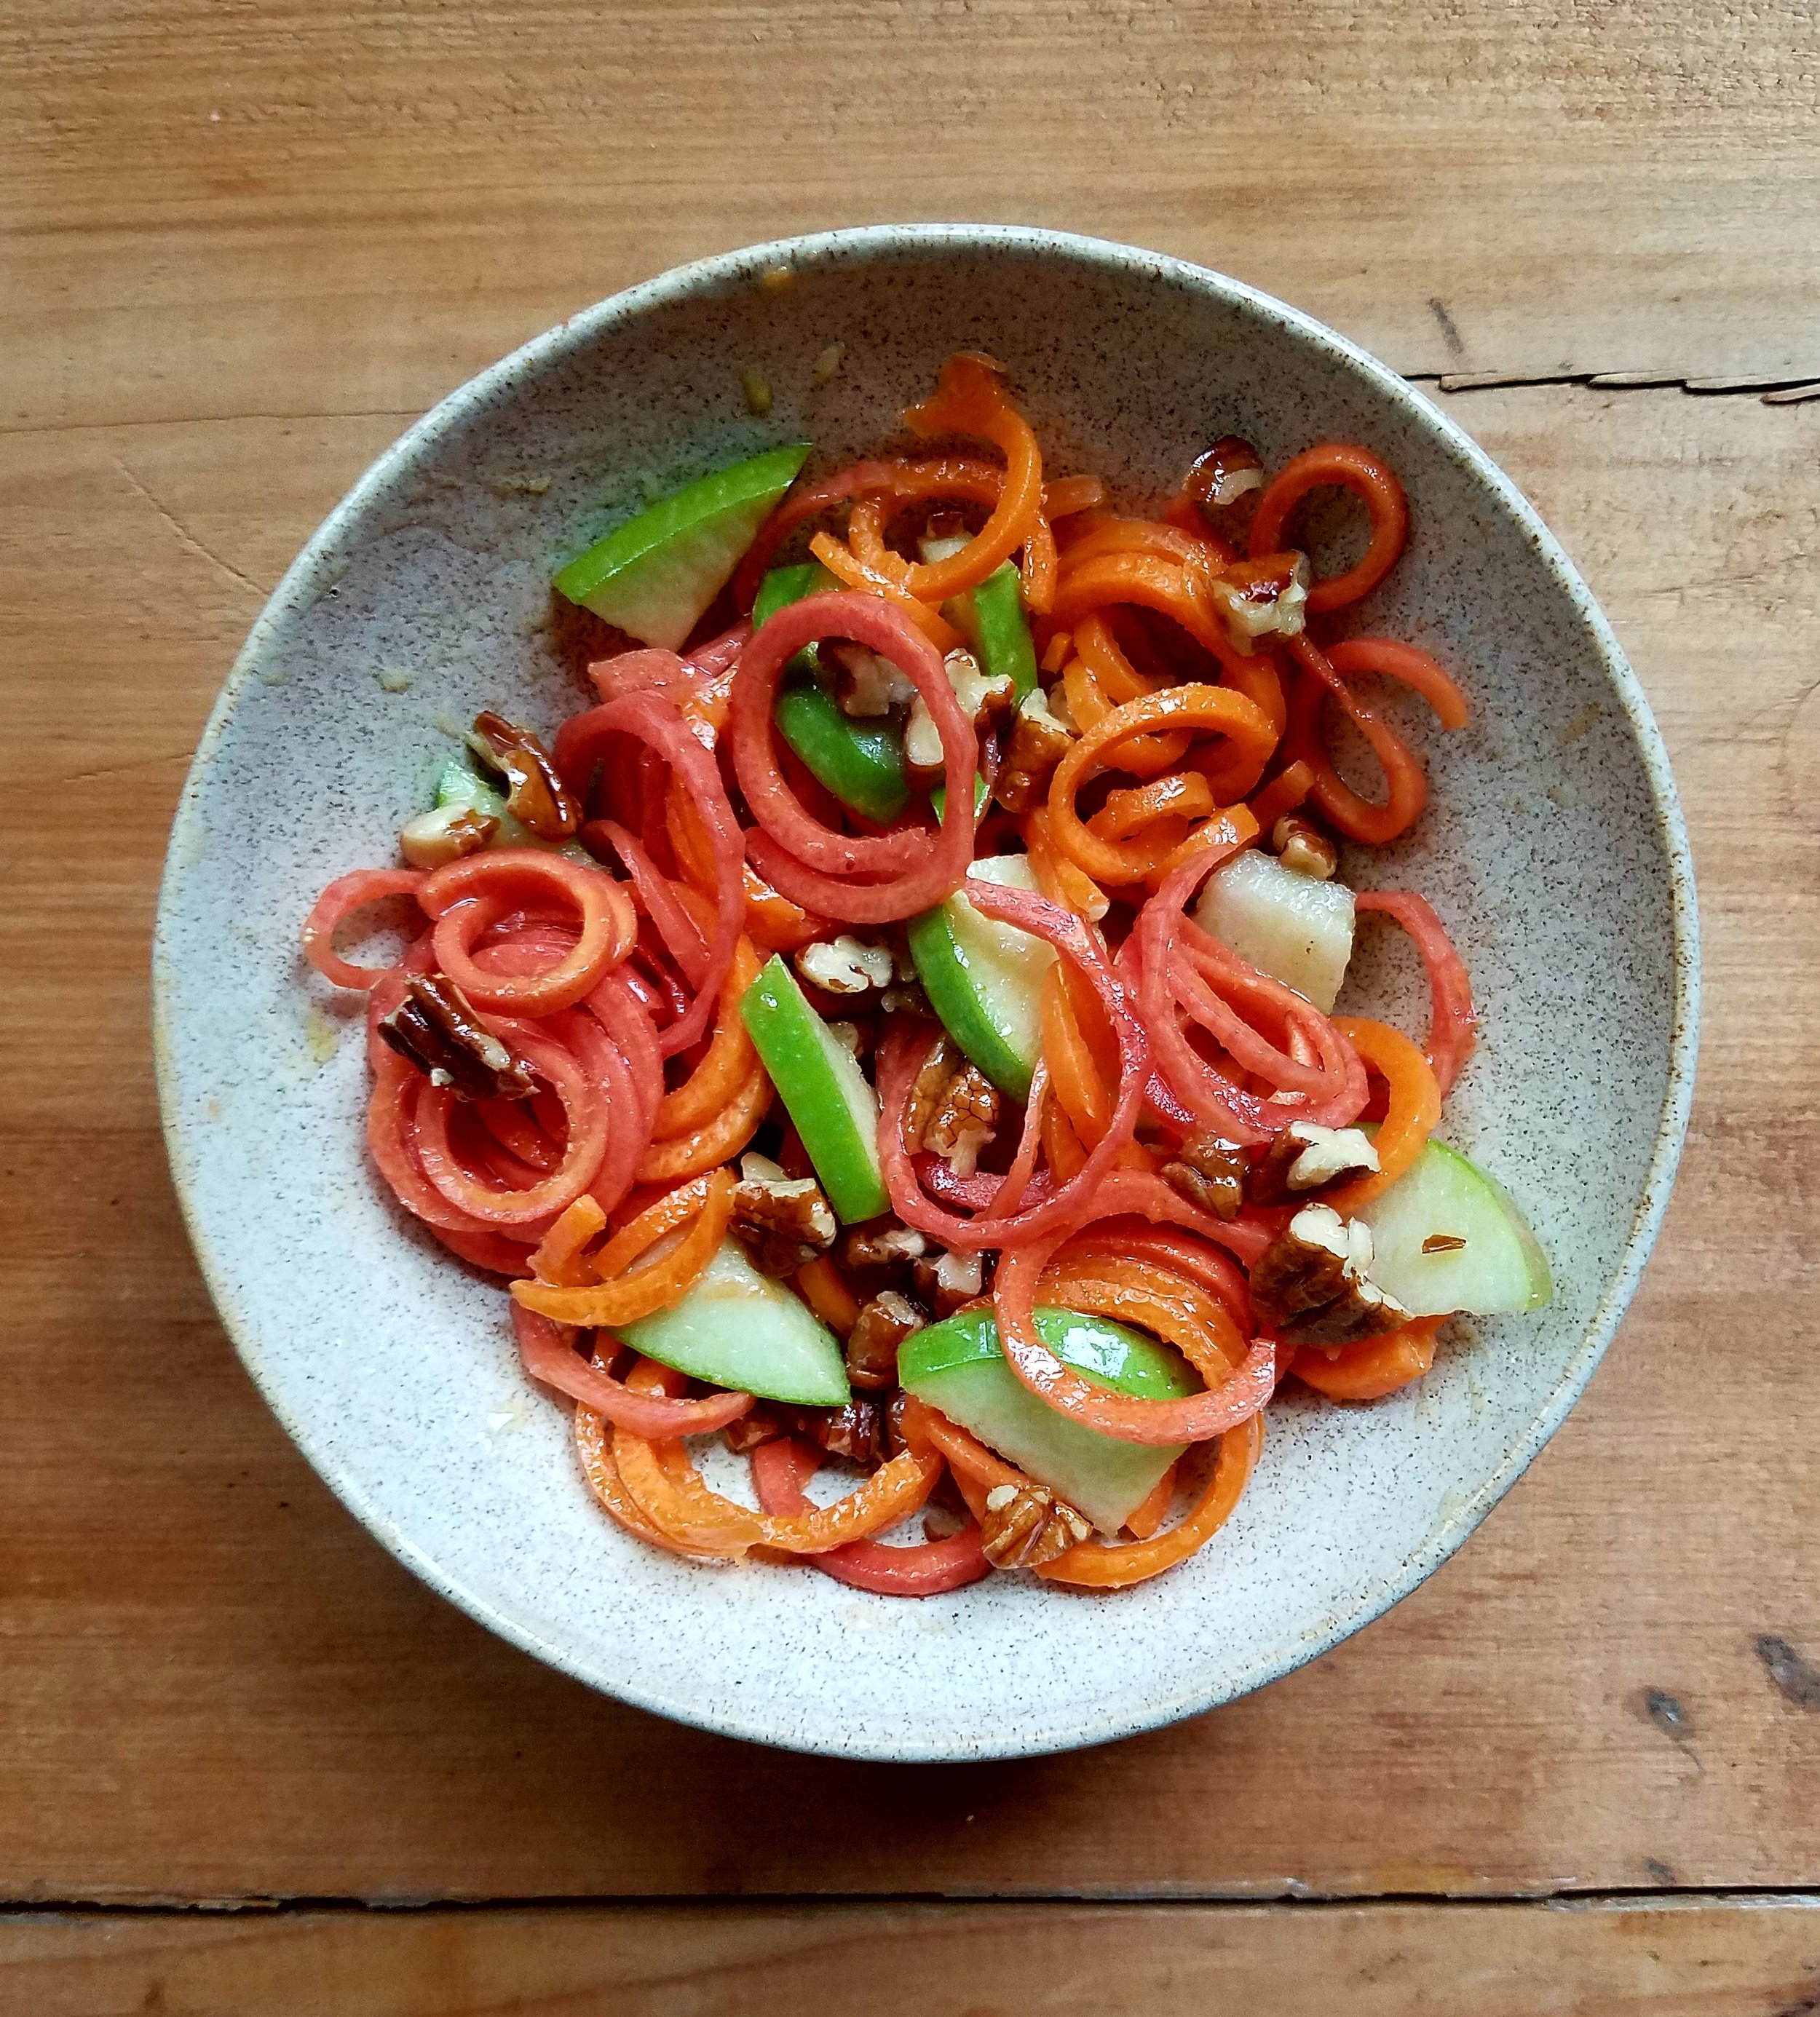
(957, 1367)
(990, 617)
(984, 979)
(738, 1330)
(1445, 1198)
(823, 1089)
(1298, 930)
(655, 576)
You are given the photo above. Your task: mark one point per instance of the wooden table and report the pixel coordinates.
(247, 241)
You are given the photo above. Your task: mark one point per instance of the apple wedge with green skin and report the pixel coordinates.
(737, 1328)
(654, 576)
(823, 1090)
(956, 1367)
(861, 762)
(1445, 1200)
(984, 979)
(990, 617)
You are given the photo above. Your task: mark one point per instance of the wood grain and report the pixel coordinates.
(215, 1685)
(331, 206)
(1755, 1957)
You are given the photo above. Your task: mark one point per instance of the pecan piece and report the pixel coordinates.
(1038, 743)
(1306, 1158)
(871, 1346)
(985, 701)
(756, 1425)
(845, 965)
(435, 839)
(948, 1282)
(1210, 1172)
(1310, 1286)
(1231, 470)
(936, 1073)
(1300, 846)
(856, 1433)
(436, 1028)
(1260, 598)
(1024, 1526)
(882, 1242)
(537, 795)
(965, 1119)
(1361, 1310)
(783, 1222)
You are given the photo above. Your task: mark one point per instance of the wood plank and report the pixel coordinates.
(326, 206)
(1744, 1958)
(215, 1687)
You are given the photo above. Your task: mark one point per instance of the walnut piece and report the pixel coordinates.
(783, 1222)
(1210, 1172)
(855, 1433)
(984, 701)
(937, 1073)
(872, 1345)
(965, 1119)
(1300, 846)
(949, 1282)
(757, 1425)
(1024, 1526)
(871, 685)
(1261, 598)
(436, 1028)
(1228, 471)
(536, 794)
(882, 1242)
(1305, 1158)
(435, 839)
(1310, 1286)
(1038, 743)
(845, 965)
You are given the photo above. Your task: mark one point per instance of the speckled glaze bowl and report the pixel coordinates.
(1553, 848)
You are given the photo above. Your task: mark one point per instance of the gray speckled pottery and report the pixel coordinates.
(1553, 847)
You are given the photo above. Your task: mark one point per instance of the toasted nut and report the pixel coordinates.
(855, 1433)
(938, 1072)
(1210, 1173)
(1038, 743)
(906, 998)
(537, 794)
(1305, 1158)
(783, 1222)
(872, 1345)
(1025, 1526)
(984, 701)
(1261, 598)
(435, 839)
(845, 965)
(1310, 1285)
(1232, 469)
(965, 1121)
(883, 1243)
(1361, 1310)
(871, 685)
(1443, 1243)
(949, 1282)
(436, 1028)
(1304, 848)
(756, 1425)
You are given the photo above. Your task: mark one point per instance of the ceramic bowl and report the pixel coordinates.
(1553, 848)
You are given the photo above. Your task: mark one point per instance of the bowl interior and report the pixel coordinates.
(1551, 848)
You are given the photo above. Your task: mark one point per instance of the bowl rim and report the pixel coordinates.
(717, 274)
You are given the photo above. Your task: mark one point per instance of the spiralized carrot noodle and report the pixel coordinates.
(1249, 738)
(780, 1469)
(548, 1351)
(1350, 467)
(669, 1492)
(625, 1292)
(772, 921)
(1100, 678)
(1376, 823)
(854, 573)
(1283, 793)
(1117, 1565)
(344, 895)
(470, 895)
(558, 1260)
(728, 1064)
(1373, 1367)
(824, 1289)
(1141, 1524)
(701, 1148)
(1452, 1019)
(594, 1445)
(1415, 1106)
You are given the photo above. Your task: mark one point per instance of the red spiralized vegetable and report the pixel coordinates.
(469, 897)
(1374, 822)
(909, 868)
(1453, 1021)
(343, 897)
(653, 719)
(493, 1251)
(623, 1016)
(1180, 1252)
(1193, 1418)
(681, 935)
(904, 1051)
(780, 1469)
(549, 1354)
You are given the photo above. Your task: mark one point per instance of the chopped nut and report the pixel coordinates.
(433, 839)
(436, 1028)
(1306, 1157)
(937, 1073)
(984, 701)
(1261, 598)
(1443, 1243)
(537, 794)
(1310, 1285)
(883, 1244)
(845, 965)
(1210, 1173)
(948, 1282)
(756, 1425)
(872, 1345)
(906, 998)
(1231, 469)
(965, 1121)
(1303, 847)
(872, 685)
(850, 1038)
(856, 1432)
(1038, 743)
(1025, 1526)
(783, 1222)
